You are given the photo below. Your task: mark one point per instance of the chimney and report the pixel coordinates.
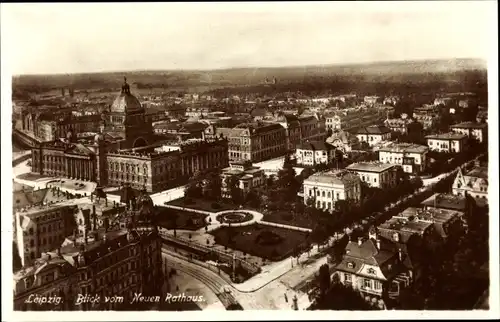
(59, 251)
(360, 241)
(400, 253)
(378, 244)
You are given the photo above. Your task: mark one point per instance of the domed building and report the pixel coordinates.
(126, 120)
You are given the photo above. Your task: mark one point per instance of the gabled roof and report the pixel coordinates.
(315, 146)
(376, 129)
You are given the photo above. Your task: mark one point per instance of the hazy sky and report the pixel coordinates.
(65, 38)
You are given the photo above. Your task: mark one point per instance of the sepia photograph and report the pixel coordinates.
(249, 156)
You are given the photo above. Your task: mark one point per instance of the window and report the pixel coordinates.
(347, 277)
(322, 193)
(377, 285)
(338, 195)
(367, 283)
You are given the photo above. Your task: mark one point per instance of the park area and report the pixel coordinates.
(170, 218)
(202, 204)
(263, 241)
(304, 220)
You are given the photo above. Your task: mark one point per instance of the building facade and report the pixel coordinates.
(114, 263)
(412, 157)
(326, 188)
(376, 174)
(253, 142)
(446, 142)
(373, 135)
(248, 177)
(42, 228)
(478, 131)
(313, 153)
(475, 183)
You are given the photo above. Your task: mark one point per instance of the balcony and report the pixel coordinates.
(369, 290)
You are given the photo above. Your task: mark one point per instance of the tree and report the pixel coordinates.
(232, 184)
(340, 297)
(213, 188)
(324, 279)
(194, 188)
(253, 199)
(287, 183)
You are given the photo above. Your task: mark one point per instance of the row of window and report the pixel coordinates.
(322, 193)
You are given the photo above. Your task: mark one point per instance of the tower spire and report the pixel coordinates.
(125, 86)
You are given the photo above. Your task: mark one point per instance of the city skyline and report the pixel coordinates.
(210, 36)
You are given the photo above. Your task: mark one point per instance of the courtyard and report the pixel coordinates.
(272, 243)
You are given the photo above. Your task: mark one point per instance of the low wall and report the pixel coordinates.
(272, 224)
(221, 255)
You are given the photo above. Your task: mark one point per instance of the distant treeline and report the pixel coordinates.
(369, 78)
(403, 85)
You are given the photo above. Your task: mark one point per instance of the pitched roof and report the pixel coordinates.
(446, 136)
(315, 146)
(370, 166)
(374, 129)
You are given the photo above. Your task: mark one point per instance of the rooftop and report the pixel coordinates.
(335, 177)
(404, 148)
(446, 201)
(478, 172)
(374, 129)
(469, 125)
(446, 136)
(314, 145)
(405, 225)
(370, 166)
(430, 215)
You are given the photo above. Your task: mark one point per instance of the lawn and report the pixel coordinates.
(202, 204)
(288, 218)
(263, 241)
(180, 219)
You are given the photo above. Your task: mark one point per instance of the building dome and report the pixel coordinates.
(126, 102)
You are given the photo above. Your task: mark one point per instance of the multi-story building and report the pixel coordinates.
(474, 183)
(403, 125)
(253, 142)
(115, 263)
(376, 174)
(139, 167)
(313, 153)
(248, 177)
(353, 118)
(343, 141)
(412, 157)
(372, 100)
(446, 142)
(445, 223)
(326, 188)
(160, 168)
(478, 131)
(373, 134)
(42, 228)
(377, 268)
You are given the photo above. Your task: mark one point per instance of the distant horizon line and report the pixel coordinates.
(347, 64)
